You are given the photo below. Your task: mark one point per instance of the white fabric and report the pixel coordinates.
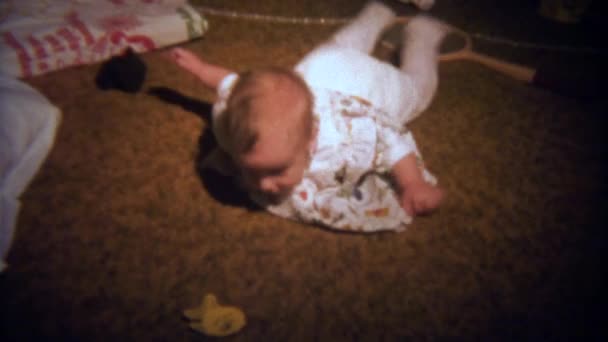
(38, 36)
(223, 92)
(352, 72)
(28, 123)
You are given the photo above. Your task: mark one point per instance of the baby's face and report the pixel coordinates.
(274, 166)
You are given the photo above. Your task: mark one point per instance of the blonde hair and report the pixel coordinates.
(242, 107)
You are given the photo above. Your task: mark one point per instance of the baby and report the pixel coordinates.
(326, 143)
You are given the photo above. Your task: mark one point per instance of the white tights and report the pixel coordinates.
(418, 55)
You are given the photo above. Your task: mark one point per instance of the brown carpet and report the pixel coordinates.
(119, 233)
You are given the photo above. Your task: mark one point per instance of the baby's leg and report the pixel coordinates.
(363, 31)
(419, 58)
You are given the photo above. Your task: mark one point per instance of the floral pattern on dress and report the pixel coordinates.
(348, 185)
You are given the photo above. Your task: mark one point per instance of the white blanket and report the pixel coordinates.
(38, 36)
(28, 122)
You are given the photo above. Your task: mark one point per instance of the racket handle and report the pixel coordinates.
(585, 81)
(516, 71)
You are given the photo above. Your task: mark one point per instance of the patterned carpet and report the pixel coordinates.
(120, 232)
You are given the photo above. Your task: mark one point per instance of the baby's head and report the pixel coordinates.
(268, 123)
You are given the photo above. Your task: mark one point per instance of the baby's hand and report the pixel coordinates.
(420, 198)
(186, 59)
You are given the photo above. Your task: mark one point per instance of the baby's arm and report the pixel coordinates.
(210, 74)
(415, 194)
(398, 153)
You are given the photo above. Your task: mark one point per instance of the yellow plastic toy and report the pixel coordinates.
(215, 320)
